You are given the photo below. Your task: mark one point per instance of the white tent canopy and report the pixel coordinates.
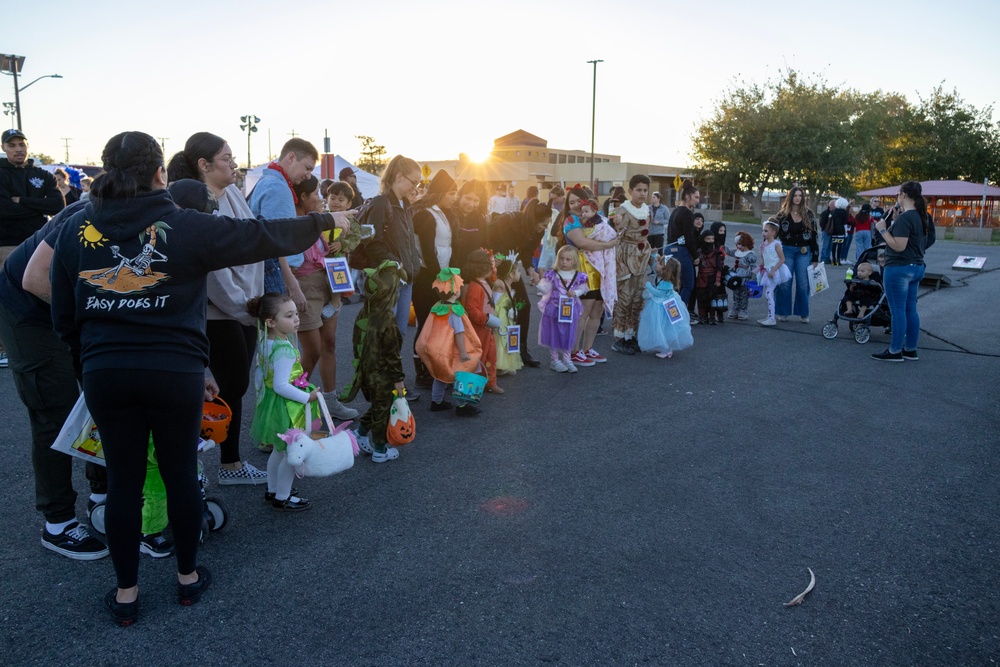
(367, 183)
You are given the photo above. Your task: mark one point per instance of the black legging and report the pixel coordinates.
(128, 405)
(231, 350)
(424, 298)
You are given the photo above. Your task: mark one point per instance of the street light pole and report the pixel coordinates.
(249, 126)
(12, 64)
(593, 122)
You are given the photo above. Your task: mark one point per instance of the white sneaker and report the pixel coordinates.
(805, 320)
(570, 366)
(782, 318)
(558, 366)
(337, 409)
(767, 322)
(390, 454)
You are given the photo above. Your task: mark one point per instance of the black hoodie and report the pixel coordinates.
(128, 277)
(38, 197)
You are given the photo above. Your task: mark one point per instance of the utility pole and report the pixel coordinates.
(292, 133)
(593, 122)
(163, 144)
(66, 141)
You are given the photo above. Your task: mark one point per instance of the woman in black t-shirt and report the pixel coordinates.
(797, 233)
(911, 233)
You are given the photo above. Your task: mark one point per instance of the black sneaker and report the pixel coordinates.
(441, 406)
(888, 356)
(633, 345)
(910, 355)
(123, 613)
(156, 545)
(75, 542)
(188, 594)
(622, 346)
(467, 410)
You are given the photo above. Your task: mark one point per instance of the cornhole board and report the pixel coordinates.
(969, 263)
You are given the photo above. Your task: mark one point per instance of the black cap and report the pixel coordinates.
(13, 134)
(345, 172)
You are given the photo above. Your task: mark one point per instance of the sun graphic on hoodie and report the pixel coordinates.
(89, 236)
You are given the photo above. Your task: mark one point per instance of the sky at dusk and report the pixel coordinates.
(433, 79)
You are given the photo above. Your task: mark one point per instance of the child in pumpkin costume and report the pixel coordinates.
(448, 342)
(378, 368)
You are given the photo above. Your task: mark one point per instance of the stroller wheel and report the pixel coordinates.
(862, 334)
(830, 330)
(96, 516)
(853, 326)
(216, 514)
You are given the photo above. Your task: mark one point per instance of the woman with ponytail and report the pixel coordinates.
(232, 335)
(129, 298)
(909, 233)
(682, 238)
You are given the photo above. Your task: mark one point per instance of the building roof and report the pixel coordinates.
(954, 189)
(520, 138)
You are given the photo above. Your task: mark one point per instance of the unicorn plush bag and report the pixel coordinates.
(320, 454)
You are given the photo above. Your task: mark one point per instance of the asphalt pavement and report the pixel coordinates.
(644, 511)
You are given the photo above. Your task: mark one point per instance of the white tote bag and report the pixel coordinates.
(818, 281)
(78, 436)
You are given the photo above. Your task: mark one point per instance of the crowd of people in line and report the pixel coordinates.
(164, 270)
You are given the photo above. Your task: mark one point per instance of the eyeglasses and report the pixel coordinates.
(228, 159)
(414, 183)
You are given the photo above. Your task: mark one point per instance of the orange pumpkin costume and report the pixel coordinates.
(436, 345)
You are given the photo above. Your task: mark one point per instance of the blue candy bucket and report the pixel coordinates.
(469, 386)
(754, 289)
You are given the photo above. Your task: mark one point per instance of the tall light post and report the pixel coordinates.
(593, 122)
(11, 64)
(249, 126)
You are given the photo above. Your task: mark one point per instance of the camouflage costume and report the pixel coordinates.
(376, 343)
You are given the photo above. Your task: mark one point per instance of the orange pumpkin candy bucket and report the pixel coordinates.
(215, 419)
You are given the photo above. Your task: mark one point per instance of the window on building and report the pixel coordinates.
(572, 159)
(603, 188)
(562, 159)
(553, 158)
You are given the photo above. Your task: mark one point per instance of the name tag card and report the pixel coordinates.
(565, 310)
(673, 312)
(339, 275)
(514, 339)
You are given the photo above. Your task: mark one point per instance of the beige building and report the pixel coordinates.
(522, 159)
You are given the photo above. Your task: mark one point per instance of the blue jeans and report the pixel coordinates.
(864, 241)
(901, 283)
(403, 307)
(798, 263)
(824, 251)
(273, 280)
(681, 254)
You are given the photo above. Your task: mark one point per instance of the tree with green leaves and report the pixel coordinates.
(373, 156)
(802, 131)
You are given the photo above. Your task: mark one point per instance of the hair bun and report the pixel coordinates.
(688, 183)
(253, 307)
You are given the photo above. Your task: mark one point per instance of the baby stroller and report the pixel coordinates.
(214, 515)
(877, 315)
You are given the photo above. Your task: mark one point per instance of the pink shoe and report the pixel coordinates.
(579, 358)
(595, 356)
